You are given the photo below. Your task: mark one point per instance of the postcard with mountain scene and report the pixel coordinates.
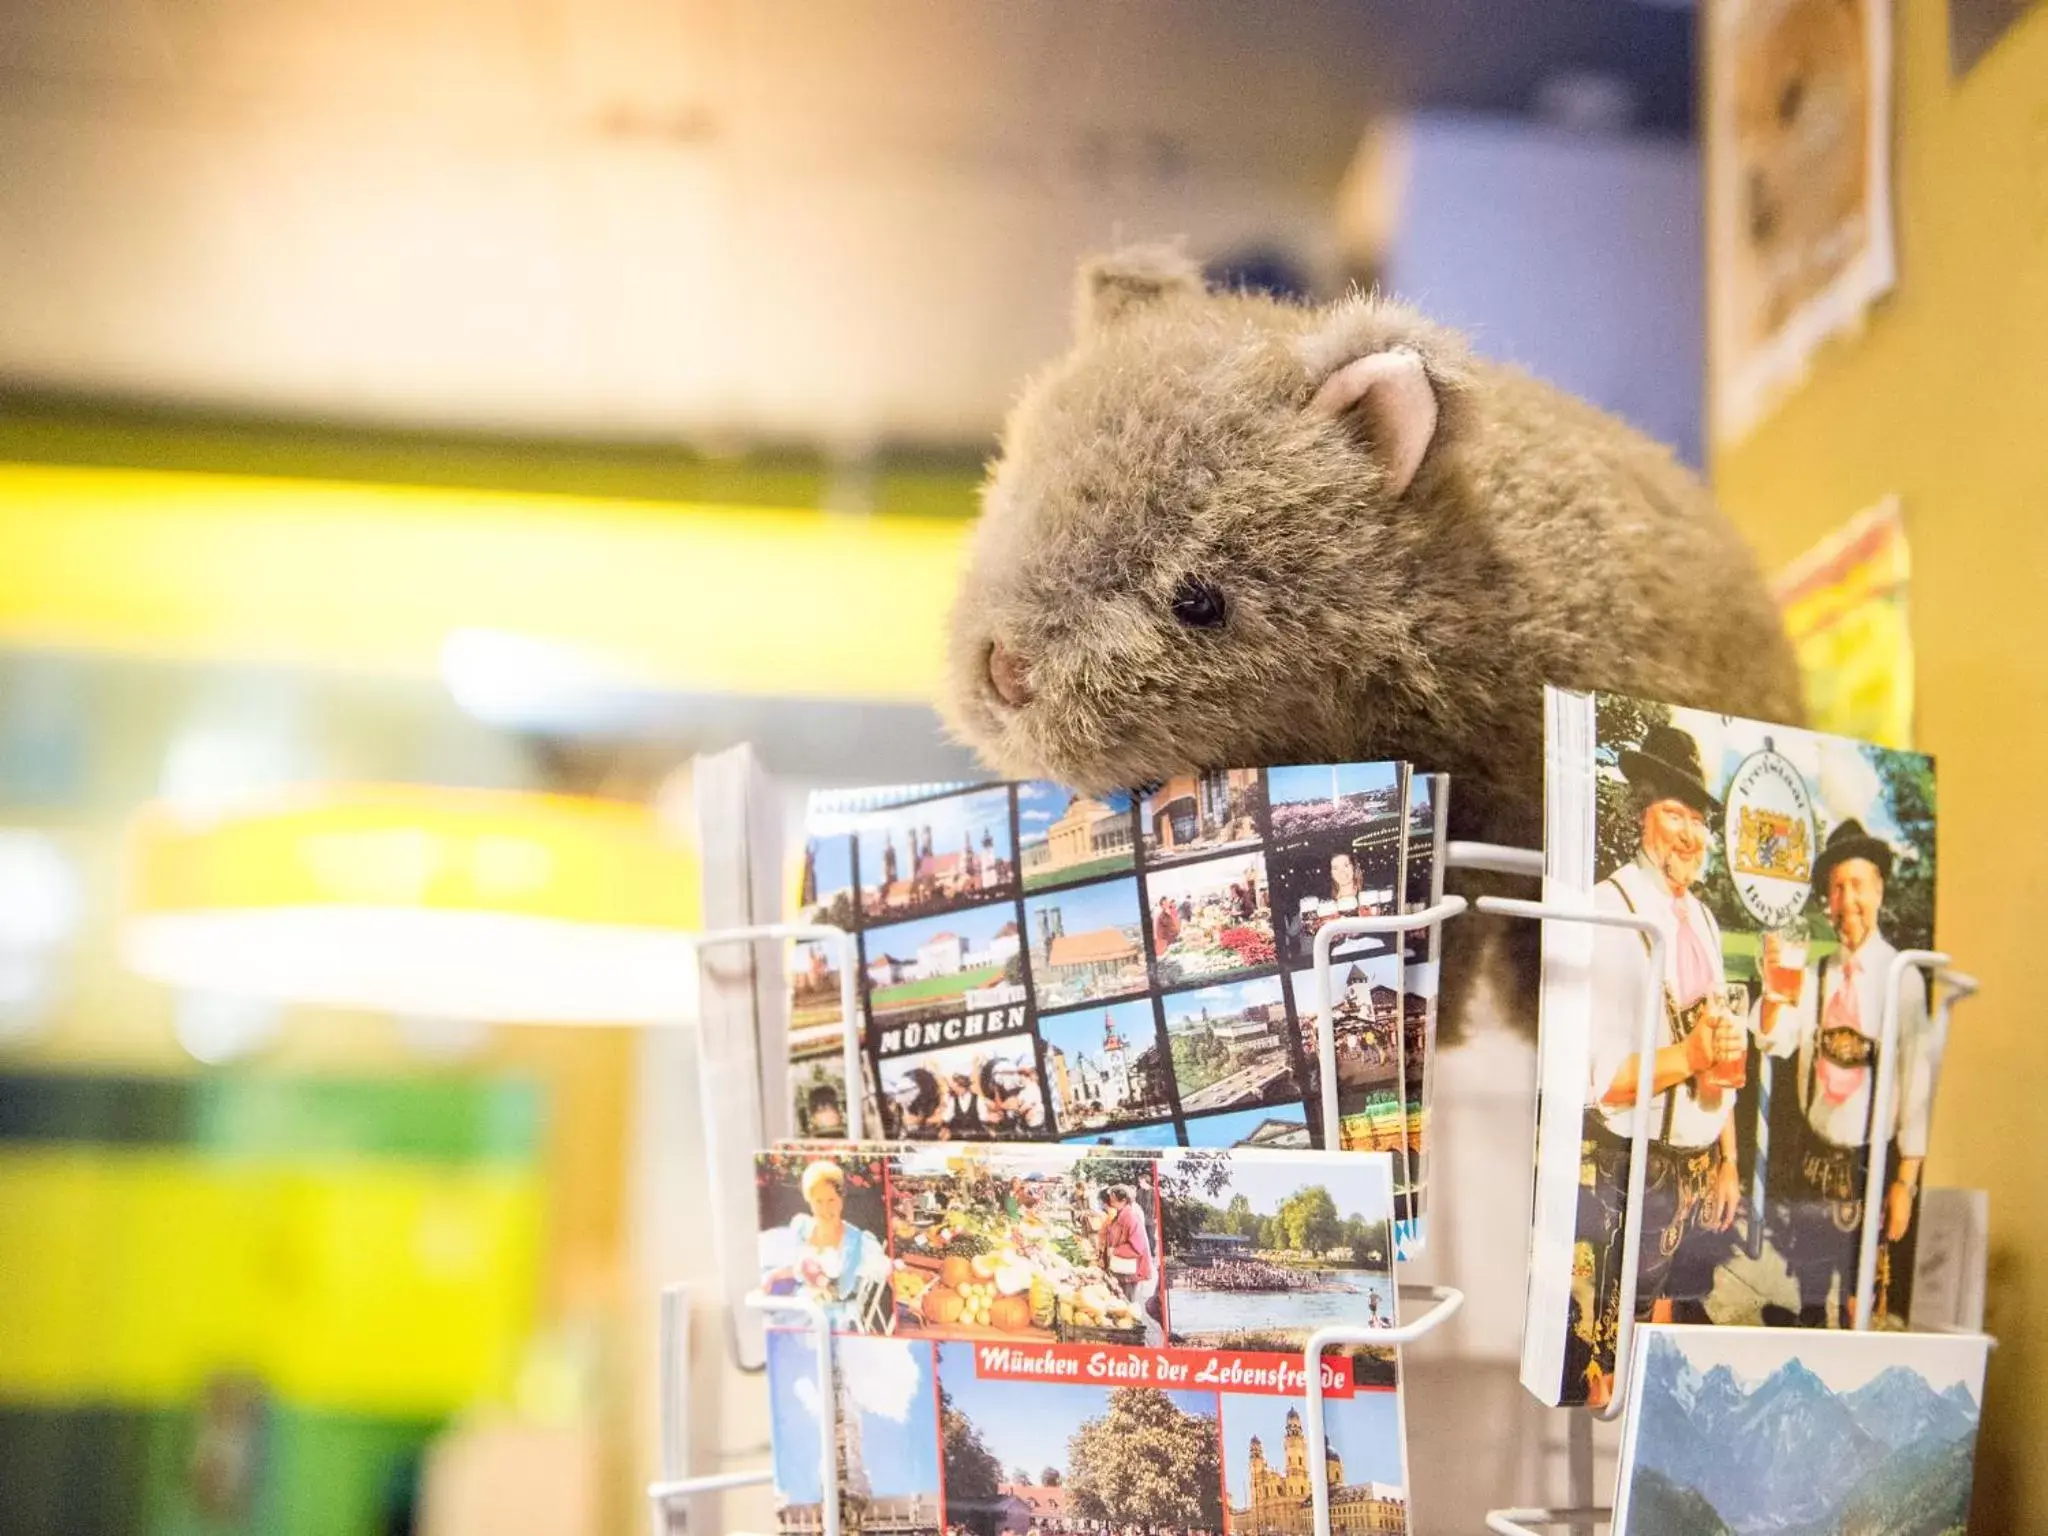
(1791, 1432)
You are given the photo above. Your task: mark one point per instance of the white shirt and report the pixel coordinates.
(1798, 1029)
(1615, 1029)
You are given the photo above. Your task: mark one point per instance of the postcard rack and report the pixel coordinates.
(673, 1492)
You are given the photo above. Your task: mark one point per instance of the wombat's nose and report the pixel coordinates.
(1007, 674)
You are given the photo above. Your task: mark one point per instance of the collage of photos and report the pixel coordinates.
(966, 1093)
(1123, 971)
(1282, 1128)
(817, 1084)
(988, 1289)
(1368, 1003)
(936, 855)
(1087, 943)
(1195, 814)
(1194, 1247)
(1105, 1067)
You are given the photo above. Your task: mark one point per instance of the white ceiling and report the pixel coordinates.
(669, 218)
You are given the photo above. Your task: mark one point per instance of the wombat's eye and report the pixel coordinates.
(1789, 100)
(1198, 605)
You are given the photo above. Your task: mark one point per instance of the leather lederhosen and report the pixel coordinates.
(1832, 1173)
(1687, 1172)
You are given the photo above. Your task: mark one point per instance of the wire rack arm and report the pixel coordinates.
(1494, 858)
(849, 992)
(1883, 1096)
(1521, 1522)
(1652, 1020)
(1446, 1301)
(1326, 938)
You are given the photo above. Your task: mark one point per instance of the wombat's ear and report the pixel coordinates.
(1138, 276)
(1389, 399)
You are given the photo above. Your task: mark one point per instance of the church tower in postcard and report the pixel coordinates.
(1281, 1499)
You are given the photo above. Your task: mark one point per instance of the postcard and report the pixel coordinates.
(1764, 1431)
(1785, 871)
(1799, 187)
(1047, 1337)
(1128, 970)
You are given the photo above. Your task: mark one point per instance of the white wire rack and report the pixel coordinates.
(1400, 924)
(714, 1111)
(1952, 987)
(673, 1491)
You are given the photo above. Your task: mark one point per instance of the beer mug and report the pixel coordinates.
(1785, 973)
(1734, 1072)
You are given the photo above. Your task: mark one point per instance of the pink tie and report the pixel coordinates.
(1844, 1011)
(1695, 967)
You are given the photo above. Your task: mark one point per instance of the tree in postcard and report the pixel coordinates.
(1907, 916)
(838, 913)
(1369, 1241)
(1148, 1463)
(1623, 722)
(1309, 1221)
(1239, 1220)
(972, 1474)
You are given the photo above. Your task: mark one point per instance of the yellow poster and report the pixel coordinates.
(1844, 602)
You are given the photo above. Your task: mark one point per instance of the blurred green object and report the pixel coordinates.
(244, 1303)
(115, 1472)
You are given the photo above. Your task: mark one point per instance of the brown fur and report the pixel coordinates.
(1541, 541)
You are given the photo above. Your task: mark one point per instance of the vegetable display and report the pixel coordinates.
(1008, 1260)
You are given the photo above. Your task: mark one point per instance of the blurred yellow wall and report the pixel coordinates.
(1945, 401)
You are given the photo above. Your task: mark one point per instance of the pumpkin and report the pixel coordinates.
(1009, 1313)
(956, 1272)
(942, 1305)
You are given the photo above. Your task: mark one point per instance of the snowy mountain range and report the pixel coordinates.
(1789, 1456)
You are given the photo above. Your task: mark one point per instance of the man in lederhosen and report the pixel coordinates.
(1832, 1027)
(1692, 1187)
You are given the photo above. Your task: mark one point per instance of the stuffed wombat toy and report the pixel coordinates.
(1226, 530)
